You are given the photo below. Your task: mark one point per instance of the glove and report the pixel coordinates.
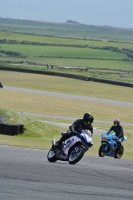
(68, 131)
(71, 128)
(75, 133)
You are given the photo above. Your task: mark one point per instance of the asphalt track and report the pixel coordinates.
(26, 173)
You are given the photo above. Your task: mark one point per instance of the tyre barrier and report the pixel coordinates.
(11, 129)
(1, 85)
(1, 128)
(21, 130)
(113, 82)
(8, 129)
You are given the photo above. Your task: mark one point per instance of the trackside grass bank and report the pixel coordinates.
(33, 128)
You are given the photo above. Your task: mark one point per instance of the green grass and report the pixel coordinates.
(70, 52)
(58, 40)
(66, 85)
(108, 64)
(65, 107)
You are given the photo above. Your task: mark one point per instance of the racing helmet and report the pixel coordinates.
(116, 122)
(88, 118)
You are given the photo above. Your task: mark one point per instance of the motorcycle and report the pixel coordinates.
(72, 149)
(109, 146)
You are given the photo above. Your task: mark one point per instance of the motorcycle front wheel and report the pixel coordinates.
(51, 156)
(102, 153)
(75, 156)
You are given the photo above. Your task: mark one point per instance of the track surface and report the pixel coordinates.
(26, 174)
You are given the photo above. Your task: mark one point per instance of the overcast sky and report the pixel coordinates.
(117, 13)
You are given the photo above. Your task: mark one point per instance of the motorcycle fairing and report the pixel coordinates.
(69, 143)
(112, 147)
(109, 141)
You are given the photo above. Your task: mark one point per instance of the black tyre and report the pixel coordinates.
(119, 153)
(73, 157)
(102, 153)
(51, 156)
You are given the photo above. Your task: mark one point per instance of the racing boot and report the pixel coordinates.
(59, 143)
(118, 147)
(62, 139)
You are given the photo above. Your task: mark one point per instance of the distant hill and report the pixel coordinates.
(69, 29)
(72, 22)
(75, 22)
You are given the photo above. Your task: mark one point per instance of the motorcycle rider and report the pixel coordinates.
(76, 127)
(118, 129)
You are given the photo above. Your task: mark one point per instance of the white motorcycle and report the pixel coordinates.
(72, 149)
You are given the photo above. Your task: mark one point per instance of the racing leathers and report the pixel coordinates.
(74, 129)
(118, 130)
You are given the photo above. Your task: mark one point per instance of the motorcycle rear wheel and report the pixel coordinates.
(51, 156)
(73, 157)
(119, 152)
(102, 153)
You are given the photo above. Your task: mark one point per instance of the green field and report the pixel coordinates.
(103, 59)
(63, 40)
(97, 65)
(65, 52)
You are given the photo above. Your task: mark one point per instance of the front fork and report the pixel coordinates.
(106, 146)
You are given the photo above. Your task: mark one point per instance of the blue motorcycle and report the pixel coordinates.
(109, 146)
